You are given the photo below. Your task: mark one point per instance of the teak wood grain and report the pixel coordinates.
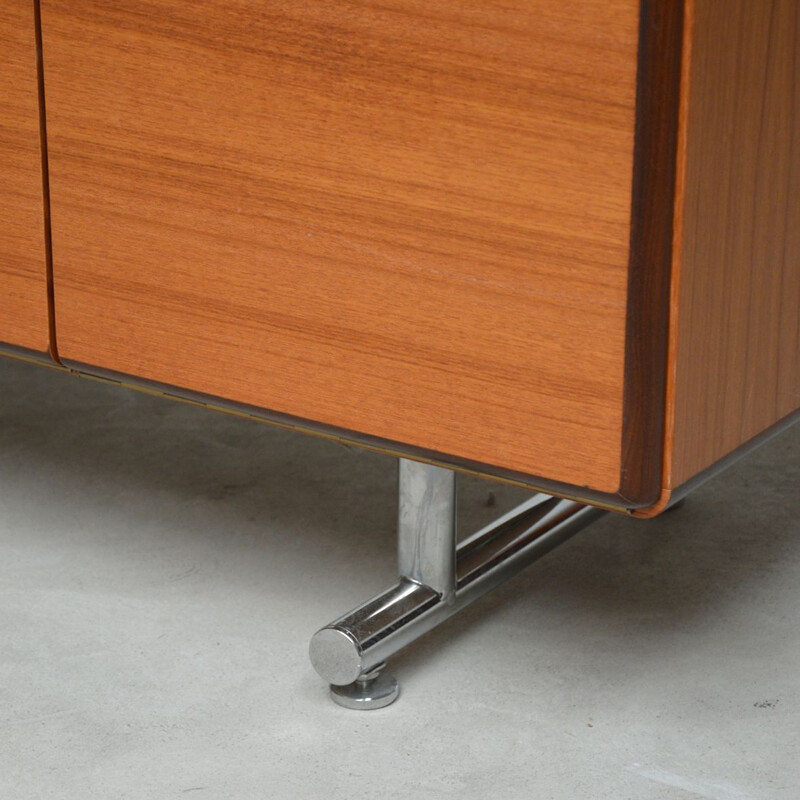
(737, 365)
(406, 219)
(23, 271)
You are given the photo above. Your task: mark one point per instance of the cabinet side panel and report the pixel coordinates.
(23, 271)
(409, 220)
(738, 359)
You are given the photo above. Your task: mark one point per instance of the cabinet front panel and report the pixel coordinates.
(406, 219)
(23, 272)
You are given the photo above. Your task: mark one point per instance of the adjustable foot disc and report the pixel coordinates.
(366, 695)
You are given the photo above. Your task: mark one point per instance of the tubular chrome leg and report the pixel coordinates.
(426, 526)
(436, 578)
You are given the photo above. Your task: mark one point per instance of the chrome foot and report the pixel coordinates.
(376, 689)
(437, 578)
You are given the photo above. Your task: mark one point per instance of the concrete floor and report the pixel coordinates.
(162, 568)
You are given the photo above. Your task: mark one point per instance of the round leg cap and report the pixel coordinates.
(366, 695)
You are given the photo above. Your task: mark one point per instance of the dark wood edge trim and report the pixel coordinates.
(652, 215)
(388, 447)
(735, 455)
(26, 354)
(349, 437)
(48, 238)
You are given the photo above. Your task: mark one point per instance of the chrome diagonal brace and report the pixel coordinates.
(437, 578)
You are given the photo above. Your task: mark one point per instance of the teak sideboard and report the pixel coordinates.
(553, 242)
(556, 243)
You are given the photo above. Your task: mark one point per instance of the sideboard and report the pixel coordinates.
(551, 243)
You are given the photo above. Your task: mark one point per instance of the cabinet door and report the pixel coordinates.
(23, 279)
(401, 219)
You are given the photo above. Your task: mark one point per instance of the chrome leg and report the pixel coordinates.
(426, 526)
(436, 578)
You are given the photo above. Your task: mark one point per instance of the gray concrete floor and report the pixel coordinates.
(162, 568)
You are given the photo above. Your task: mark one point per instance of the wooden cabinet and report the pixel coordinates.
(406, 220)
(23, 272)
(551, 242)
